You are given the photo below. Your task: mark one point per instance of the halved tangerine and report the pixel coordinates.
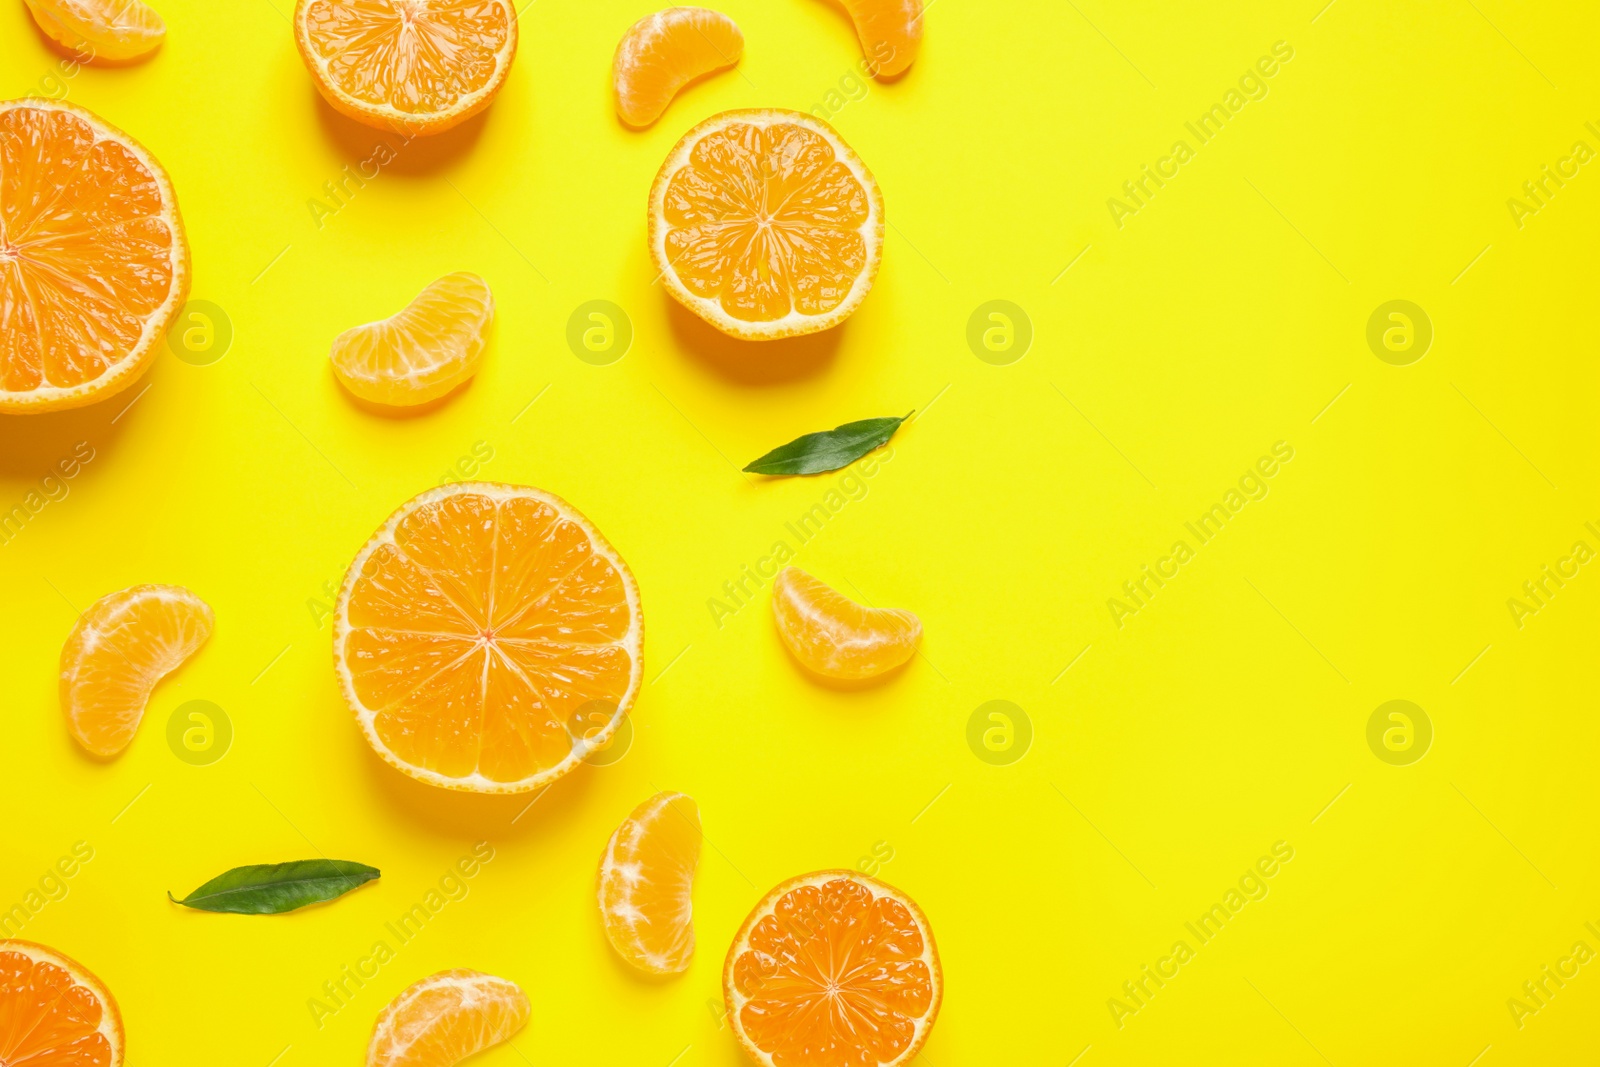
(833, 969)
(116, 654)
(53, 1012)
(93, 263)
(482, 632)
(765, 224)
(415, 66)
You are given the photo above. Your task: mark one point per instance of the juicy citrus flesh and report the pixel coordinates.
(445, 1018)
(766, 224)
(833, 635)
(646, 881)
(420, 66)
(53, 1012)
(482, 632)
(833, 969)
(120, 648)
(111, 30)
(93, 265)
(422, 352)
(890, 32)
(663, 52)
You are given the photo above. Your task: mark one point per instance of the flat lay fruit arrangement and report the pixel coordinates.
(487, 638)
(797, 533)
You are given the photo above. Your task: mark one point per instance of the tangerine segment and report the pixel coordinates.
(53, 1012)
(93, 264)
(890, 32)
(417, 66)
(422, 352)
(765, 224)
(833, 635)
(663, 52)
(646, 878)
(120, 648)
(482, 632)
(112, 30)
(447, 1017)
(833, 969)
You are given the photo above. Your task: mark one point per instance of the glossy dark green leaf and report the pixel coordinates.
(816, 453)
(274, 888)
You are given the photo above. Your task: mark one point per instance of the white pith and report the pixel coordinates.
(625, 873)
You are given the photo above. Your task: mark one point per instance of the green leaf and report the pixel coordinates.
(816, 453)
(274, 888)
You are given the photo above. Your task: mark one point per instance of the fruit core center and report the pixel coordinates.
(410, 12)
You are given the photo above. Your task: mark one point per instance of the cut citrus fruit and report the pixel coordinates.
(646, 878)
(112, 30)
(93, 264)
(666, 51)
(421, 353)
(765, 224)
(121, 647)
(833, 635)
(446, 1017)
(53, 1012)
(890, 32)
(415, 66)
(833, 969)
(482, 632)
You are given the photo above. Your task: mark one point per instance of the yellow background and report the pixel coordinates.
(1225, 716)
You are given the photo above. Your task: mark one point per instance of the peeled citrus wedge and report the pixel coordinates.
(890, 32)
(481, 635)
(415, 66)
(646, 877)
(833, 969)
(765, 224)
(93, 264)
(53, 1012)
(666, 51)
(112, 30)
(422, 352)
(446, 1017)
(833, 635)
(121, 647)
